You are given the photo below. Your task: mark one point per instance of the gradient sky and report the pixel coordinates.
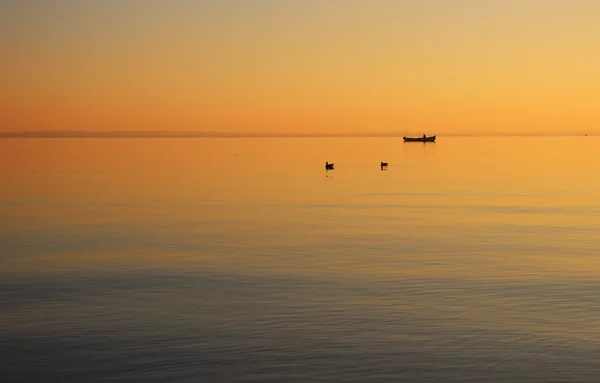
(285, 66)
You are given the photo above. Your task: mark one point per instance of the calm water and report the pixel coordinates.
(243, 260)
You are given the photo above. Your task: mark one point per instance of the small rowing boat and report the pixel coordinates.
(419, 139)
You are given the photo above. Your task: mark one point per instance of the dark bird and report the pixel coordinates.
(384, 164)
(328, 166)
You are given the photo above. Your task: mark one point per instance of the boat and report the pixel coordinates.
(328, 166)
(419, 139)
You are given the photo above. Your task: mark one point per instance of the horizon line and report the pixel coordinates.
(211, 134)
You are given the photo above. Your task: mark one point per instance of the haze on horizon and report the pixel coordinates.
(285, 66)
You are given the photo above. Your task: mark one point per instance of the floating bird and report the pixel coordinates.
(328, 166)
(384, 164)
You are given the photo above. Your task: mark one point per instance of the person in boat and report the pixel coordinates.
(424, 136)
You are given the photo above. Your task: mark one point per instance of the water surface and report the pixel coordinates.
(243, 260)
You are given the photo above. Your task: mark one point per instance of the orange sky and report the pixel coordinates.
(283, 66)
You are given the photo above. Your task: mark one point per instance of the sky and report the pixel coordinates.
(301, 66)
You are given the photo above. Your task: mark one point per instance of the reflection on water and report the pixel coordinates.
(466, 260)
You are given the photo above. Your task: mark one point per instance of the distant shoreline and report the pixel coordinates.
(158, 134)
(150, 134)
